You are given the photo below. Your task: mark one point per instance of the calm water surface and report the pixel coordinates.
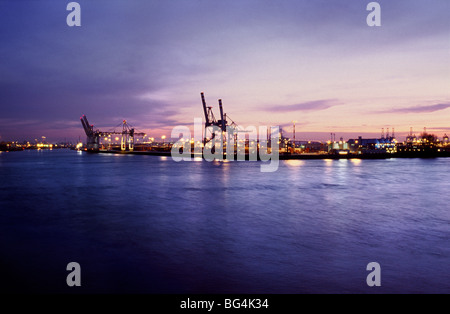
(145, 224)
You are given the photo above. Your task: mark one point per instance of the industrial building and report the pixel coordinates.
(372, 146)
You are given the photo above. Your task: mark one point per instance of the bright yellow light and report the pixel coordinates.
(295, 162)
(356, 161)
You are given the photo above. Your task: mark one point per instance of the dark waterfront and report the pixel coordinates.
(146, 224)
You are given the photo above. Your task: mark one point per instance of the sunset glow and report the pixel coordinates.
(271, 62)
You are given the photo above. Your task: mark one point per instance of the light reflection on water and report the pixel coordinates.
(148, 224)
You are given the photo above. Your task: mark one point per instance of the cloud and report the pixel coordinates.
(314, 105)
(141, 60)
(419, 109)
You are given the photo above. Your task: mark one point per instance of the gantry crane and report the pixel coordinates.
(93, 136)
(228, 127)
(223, 123)
(210, 120)
(128, 134)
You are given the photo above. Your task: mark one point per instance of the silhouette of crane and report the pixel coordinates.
(93, 136)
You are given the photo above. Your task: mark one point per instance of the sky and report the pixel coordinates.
(271, 62)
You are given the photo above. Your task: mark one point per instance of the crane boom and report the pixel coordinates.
(205, 110)
(222, 120)
(85, 127)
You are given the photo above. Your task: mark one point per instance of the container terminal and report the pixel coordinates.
(128, 140)
(386, 146)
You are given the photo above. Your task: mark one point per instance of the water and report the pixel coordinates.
(145, 224)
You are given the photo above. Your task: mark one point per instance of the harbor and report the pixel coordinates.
(224, 139)
(246, 145)
(209, 155)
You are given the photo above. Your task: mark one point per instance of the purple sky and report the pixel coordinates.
(271, 62)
